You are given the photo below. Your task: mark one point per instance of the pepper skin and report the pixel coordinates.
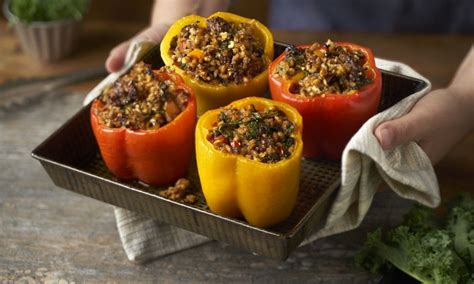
(235, 186)
(213, 96)
(331, 119)
(156, 157)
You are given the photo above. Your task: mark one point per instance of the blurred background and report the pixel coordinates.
(109, 22)
(96, 37)
(445, 26)
(138, 11)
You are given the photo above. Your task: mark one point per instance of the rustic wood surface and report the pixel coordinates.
(49, 234)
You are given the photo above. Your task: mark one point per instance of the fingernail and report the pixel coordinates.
(386, 137)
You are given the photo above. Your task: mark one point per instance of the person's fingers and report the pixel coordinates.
(436, 122)
(398, 131)
(153, 33)
(116, 57)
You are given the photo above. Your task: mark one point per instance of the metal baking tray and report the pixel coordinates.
(71, 158)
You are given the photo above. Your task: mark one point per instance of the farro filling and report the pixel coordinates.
(262, 135)
(140, 100)
(221, 53)
(181, 191)
(324, 68)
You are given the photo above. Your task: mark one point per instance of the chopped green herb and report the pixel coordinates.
(263, 135)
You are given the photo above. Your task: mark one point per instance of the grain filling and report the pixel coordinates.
(262, 135)
(141, 100)
(181, 191)
(324, 68)
(220, 53)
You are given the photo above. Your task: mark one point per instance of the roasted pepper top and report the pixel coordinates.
(324, 68)
(263, 135)
(141, 100)
(221, 52)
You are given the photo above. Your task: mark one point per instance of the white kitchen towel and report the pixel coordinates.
(406, 169)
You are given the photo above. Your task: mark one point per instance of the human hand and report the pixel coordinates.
(116, 56)
(437, 122)
(164, 13)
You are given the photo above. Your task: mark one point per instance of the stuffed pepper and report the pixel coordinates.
(248, 156)
(144, 125)
(335, 86)
(224, 57)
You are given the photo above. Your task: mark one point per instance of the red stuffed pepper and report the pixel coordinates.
(144, 125)
(335, 86)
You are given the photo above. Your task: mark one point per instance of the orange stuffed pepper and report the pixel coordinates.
(144, 125)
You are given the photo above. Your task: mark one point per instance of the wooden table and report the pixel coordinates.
(47, 233)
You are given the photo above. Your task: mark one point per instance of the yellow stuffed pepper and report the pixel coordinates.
(223, 58)
(248, 157)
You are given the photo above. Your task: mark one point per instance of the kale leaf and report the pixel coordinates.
(427, 248)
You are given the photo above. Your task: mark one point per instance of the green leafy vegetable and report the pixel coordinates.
(461, 223)
(48, 10)
(426, 248)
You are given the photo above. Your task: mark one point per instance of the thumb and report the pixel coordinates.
(116, 57)
(397, 132)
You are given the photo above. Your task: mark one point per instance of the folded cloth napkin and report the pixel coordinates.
(406, 169)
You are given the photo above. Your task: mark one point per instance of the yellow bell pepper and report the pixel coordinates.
(213, 96)
(234, 186)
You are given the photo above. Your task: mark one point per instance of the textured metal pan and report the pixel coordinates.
(71, 158)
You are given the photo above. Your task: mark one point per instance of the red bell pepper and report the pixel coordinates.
(331, 119)
(155, 157)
